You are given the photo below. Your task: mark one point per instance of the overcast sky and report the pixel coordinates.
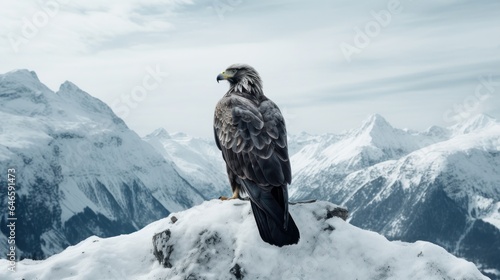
(327, 64)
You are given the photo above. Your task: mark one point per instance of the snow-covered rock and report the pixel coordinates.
(80, 170)
(219, 240)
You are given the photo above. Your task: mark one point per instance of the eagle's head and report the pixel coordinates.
(238, 72)
(242, 78)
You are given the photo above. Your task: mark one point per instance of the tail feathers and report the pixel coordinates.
(270, 210)
(272, 232)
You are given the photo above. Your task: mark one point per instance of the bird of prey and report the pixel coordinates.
(250, 131)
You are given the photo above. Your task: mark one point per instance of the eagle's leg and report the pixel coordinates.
(235, 186)
(236, 195)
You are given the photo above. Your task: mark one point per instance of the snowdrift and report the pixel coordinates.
(219, 240)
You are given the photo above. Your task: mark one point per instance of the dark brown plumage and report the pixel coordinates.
(250, 131)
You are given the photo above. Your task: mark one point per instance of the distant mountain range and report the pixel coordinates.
(82, 172)
(441, 185)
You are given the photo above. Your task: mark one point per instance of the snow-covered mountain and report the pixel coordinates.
(219, 240)
(441, 185)
(80, 170)
(197, 160)
(338, 155)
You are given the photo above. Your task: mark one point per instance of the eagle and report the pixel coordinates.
(250, 131)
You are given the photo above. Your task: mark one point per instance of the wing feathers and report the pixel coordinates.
(256, 134)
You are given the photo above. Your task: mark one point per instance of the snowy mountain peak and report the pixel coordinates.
(375, 141)
(375, 121)
(476, 123)
(374, 129)
(438, 132)
(68, 86)
(70, 93)
(160, 133)
(22, 94)
(23, 74)
(21, 82)
(377, 132)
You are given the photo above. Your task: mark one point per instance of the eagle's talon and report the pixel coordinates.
(229, 198)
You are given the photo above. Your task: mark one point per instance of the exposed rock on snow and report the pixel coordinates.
(164, 244)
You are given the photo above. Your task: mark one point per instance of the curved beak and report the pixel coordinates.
(221, 76)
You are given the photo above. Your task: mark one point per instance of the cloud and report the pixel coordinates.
(85, 26)
(427, 59)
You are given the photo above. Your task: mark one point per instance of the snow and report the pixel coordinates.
(493, 217)
(210, 239)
